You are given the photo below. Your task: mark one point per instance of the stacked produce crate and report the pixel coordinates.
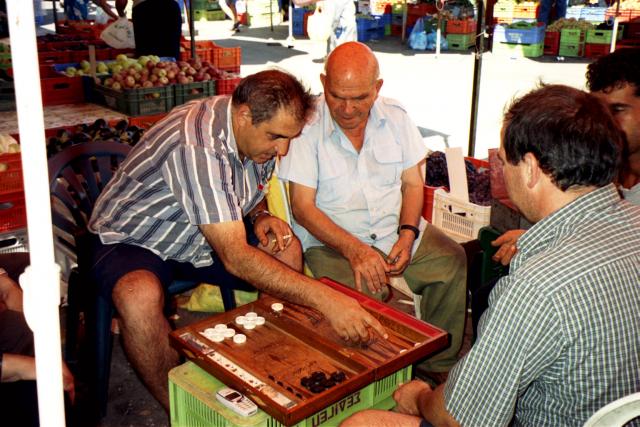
(13, 219)
(461, 33)
(263, 13)
(519, 39)
(598, 41)
(508, 12)
(207, 10)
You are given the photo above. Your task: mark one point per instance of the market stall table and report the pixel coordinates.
(56, 116)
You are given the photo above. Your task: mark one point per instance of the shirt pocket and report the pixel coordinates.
(333, 182)
(388, 165)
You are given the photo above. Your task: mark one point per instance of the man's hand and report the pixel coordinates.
(407, 395)
(508, 248)
(272, 230)
(68, 383)
(368, 264)
(350, 320)
(400, 254)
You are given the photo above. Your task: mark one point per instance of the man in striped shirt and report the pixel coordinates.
(560, 337)
(184, 190)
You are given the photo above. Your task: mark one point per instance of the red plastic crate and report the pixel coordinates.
(54, 57)
(633, 29)
(13, 212)
(421, 9)
(464, 26)
(396, 30)
(625, 15)
(427, 203)
(11, 178)
(227, 86)
(145, 122)
(226, 58)
(596, 50)
(526, 11)
(59, 89)
(551, 42)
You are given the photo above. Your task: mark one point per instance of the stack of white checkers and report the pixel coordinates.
(218, 333)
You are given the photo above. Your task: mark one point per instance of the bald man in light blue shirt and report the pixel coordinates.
(357, 193)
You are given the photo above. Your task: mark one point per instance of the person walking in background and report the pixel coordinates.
(229, 9)
(157, 26)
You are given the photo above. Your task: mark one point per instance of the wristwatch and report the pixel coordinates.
(415, 230)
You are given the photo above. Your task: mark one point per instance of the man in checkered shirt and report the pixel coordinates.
(560, 338)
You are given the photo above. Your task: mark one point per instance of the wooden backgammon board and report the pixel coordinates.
(291, 363)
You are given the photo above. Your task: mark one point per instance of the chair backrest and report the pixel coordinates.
(77, 175)
(617, 413)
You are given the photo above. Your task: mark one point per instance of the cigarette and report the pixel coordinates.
(285, 237)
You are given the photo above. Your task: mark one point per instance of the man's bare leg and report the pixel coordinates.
(139, 299)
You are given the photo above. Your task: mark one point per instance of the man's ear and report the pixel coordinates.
(244, 115)
(379, 83)
(532, 170)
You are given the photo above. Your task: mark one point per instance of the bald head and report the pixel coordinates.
(351, 85)
(352, 60)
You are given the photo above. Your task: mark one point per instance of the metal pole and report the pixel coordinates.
(477, 72)
(192, 31)
(290, 38)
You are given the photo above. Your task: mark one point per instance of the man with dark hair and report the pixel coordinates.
(615, 78)
(560, 337)
(195, 182)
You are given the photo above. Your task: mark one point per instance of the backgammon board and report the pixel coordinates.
(291, 363)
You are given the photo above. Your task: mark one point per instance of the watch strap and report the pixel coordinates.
(415, 229)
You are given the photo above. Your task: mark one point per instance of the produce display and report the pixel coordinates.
(571, 24)
(8, 144)
(150, 71)
(99, 130)
(478, 180)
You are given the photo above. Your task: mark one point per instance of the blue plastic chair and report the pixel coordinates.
(77, 175)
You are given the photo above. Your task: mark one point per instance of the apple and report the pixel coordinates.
(153, 78)
(132, 71)
(116, 86)
(143, 60)
(71, 71)
(122, 58)
(85, 65)
(102, 68)
(130, 81)
(164, 80)
(183, 80)
(162, 72)
(206, 77)
(147, 83)
(171, 74)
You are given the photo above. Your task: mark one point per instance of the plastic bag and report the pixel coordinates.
(119, 34)
(418, 38)
(319, 25)
(101, 16)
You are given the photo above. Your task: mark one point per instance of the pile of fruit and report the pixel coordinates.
(571, 24)
(150, 71)
(8, 144)
(478, 180)
(99, 130)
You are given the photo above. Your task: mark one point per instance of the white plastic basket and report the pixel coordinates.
(459, 219)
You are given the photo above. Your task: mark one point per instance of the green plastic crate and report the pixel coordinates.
(519, 50)
(571, 35)
(193, 403)
(602, 36)
(135, 102)
(190, 91)
(571, 49)
(461, 41)
(215, 15)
